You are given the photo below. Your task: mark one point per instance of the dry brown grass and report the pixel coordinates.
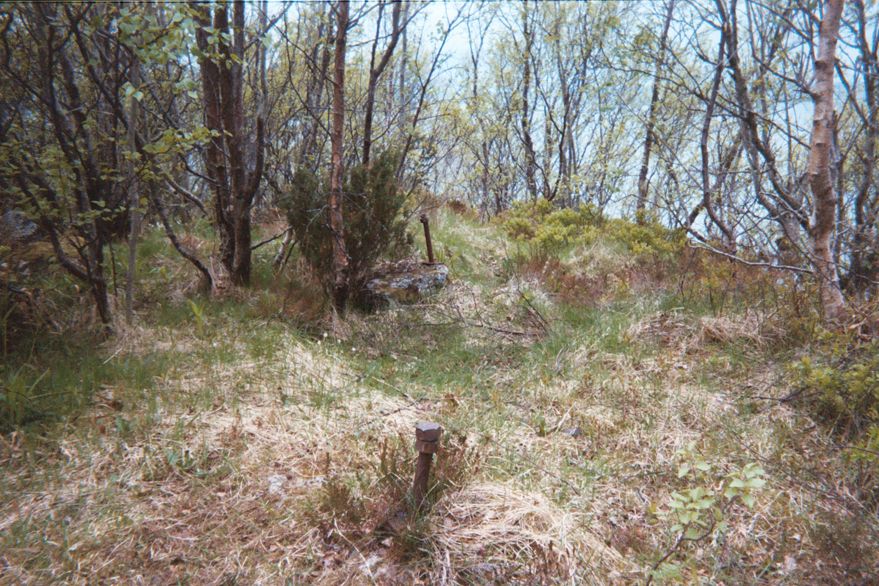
(688, 334)
(495, 533)
(218, 511)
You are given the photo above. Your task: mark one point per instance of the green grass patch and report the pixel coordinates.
(57, 377)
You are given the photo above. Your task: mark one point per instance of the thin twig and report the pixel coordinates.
(860, 450)
(543, 322)
(272, 239)
(185, 193)
(739, 259)
(677, 545)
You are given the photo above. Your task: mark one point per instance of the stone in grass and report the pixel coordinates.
(276, 484)
(17, 228)
(406, 281)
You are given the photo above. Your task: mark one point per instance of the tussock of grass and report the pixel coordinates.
(687, 333)
(495, 533)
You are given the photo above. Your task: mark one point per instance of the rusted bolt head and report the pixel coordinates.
(427, 436)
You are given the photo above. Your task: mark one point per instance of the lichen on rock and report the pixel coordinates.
(406, 281)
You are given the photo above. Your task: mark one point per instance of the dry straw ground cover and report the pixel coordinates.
(261, 455)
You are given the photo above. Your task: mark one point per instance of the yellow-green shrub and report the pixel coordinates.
(541, 224)
(842, 380)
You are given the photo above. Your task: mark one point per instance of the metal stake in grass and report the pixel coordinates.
(424, 221)
(427, 435)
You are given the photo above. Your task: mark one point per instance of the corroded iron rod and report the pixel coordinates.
(424, 221)
(427, 435)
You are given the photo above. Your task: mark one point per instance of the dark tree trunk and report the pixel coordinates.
(375, 72)
(225, 162)
(651, 116)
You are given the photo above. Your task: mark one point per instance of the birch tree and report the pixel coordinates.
(818, 171)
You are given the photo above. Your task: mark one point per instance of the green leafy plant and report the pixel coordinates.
(697, 512)
(744, 483)
(693, 510)
(198, 313)
(17, 398)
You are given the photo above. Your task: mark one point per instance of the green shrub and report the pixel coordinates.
(541, 224)
(371, 209)
(644, 237)
(841, 379)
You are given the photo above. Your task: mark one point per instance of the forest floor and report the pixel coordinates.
(607, 420)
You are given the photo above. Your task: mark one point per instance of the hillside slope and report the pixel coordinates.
(610, 417)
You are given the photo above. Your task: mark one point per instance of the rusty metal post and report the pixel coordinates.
(424, 221)
(427, 435)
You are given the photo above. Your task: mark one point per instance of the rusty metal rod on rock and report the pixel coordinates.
(424, 221)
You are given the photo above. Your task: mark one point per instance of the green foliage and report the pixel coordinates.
(842, 380)
(541, 224)
(699, 510)
(372, 209)
(198, 313)
(18, 396)
(646, 237)
(704, 508)
(54, 378)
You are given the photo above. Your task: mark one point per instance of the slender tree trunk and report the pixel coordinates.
(375, 73)
(337, 224)
(314, 94)
(818, 169)
(862, 273)
(403, 64)
(486, 195)
(564, 178)
(178, 173)
(707, 190)
(133, 197)
(412, 122)
(651, 117)
(223, 89)
(549, 190)
(786, 205)
(530, 161)
(232, 93)
(89, 187)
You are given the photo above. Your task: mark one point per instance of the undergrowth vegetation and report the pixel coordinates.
(618, 408)
(546, 227)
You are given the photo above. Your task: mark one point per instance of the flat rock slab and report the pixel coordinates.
(405, 281)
